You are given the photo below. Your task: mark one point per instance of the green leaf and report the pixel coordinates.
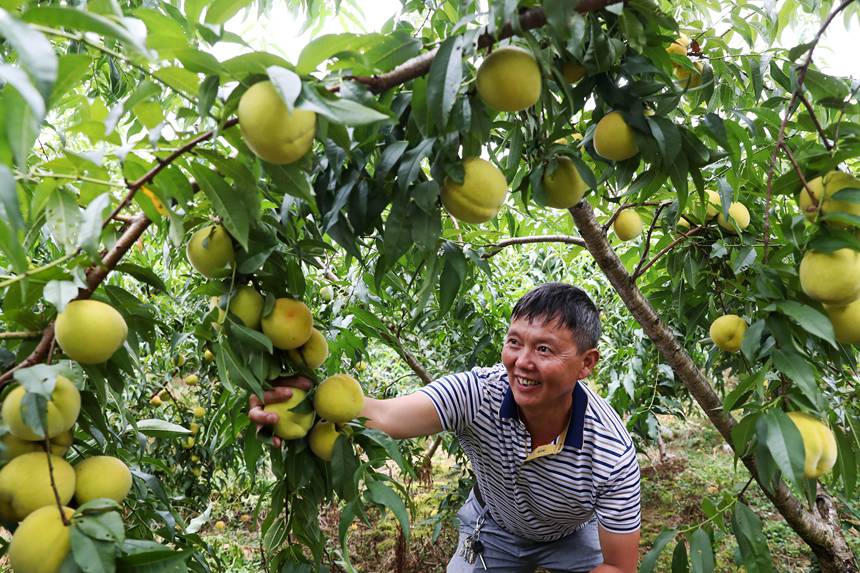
(751, 540)
(16, 78)
(701, 552)
(22, 125)
(143, 274)
(667, 136)
(785, 445)
(81, 21)
(287, 83)
(680, 563)
(222, 10)
(410, 166)
(90, 555)
(11, 222)
(161, 428)
(323, 48)
(798, 369)
(102, 526)
(808, 318)
(64, 219)
(35, 52)
(446, 75)
(650, 560)
(343, 111)
(230, 203)
(384, 495)
(208, 93)
(91, 224)
(60, 293)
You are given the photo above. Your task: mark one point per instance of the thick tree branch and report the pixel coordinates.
(420, 65)
(817, 533)
(497, 247)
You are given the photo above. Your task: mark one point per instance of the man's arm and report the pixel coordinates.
(407, 416)
(620, 551)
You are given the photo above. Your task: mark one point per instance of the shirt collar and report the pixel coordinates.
(574, 436)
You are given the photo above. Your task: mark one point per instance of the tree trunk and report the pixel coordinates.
(818, 527)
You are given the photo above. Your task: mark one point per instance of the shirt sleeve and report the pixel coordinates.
(457, 398)
(618, 505)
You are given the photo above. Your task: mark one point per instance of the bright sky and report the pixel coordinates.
(279, 34)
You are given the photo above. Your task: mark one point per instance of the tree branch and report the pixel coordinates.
(821, 134)
(20, 334)
(642, 268)
(801, 76)
(497, 247)
(420, 65)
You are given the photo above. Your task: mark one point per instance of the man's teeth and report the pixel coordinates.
(527, 382)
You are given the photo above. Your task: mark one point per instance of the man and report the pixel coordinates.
(557, 481)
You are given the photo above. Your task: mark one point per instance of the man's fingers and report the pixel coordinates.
(253, 402)
(260, 417)
(300, 382)
(278, 394)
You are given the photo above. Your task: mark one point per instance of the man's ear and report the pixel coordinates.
(589, 361)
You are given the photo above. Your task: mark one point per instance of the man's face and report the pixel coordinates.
(543, 364)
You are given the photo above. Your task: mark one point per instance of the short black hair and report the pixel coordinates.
(567, 305)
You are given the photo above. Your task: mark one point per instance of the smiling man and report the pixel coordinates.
(557, 481)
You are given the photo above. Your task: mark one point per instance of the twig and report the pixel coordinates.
(20, 334)
(821, 134)
(497, 247)
(648, 237)
(37, 270)
(801, 76)
(617, 212)
(47, 444)
(797, 170)
(666, 249)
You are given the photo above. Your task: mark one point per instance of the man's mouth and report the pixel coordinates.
(527, 382)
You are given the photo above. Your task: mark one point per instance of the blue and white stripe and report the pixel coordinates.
(548, 497)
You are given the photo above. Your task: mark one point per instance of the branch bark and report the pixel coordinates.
(822, 534)
(497, 247)
(420, 65)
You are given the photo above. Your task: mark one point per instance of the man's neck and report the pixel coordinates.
(545, 425)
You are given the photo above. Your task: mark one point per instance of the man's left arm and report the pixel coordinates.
(620, 551)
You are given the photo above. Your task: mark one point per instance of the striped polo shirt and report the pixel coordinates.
(545, 494)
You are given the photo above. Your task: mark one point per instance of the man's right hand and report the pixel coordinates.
(282, 390)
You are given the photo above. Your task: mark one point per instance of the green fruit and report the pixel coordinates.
(322, 439)
(846, 321)
(312, 353)
(90, 331)
(481, 194)
(738, 214)
(727, 332)
(247, 304)
(509, 79)
(289, 325)
(824, 188)
(816, 187)
(63, 409)
(25, 484)
(42, 542)
(339, 398)
(818, 442)
(291, 425)
(270, 130)
(627, 225)
(614, 139)
(208, 356)
(101, 476)
(327, 293)
(564, 187)
(715, 204)
(210, 252)
(832, 278)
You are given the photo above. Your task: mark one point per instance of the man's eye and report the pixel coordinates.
(544, 348)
